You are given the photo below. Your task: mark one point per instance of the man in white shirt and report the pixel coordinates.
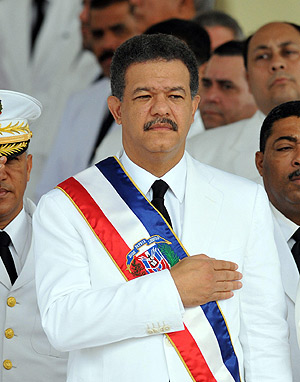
(278, 162)
(25, 352)
(116, 286)
(273, 68)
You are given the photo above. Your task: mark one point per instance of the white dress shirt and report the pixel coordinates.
(174, 197)
(287, 226)
(19, 230)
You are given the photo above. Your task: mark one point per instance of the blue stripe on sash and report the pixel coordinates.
(156, 225)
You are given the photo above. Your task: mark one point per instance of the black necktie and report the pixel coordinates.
(159, 188)
(296, 248)
(104, 127)
(6, 256)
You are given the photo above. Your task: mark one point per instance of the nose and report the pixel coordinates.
(296, 157)
(210, 95)
(277, 63)
(160, 106)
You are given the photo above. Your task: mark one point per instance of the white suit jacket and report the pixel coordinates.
(290, 279)
(230, 148)
(32, 356)
(58, 67)
(89, 310)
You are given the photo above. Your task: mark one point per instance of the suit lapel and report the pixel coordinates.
(201, 209)
(4, 278)
(289, 271)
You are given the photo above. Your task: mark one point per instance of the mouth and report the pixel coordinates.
(294, 176)
(280, 80)
(3, 192)
(161, 124)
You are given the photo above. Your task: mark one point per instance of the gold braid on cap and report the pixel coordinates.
(19, 133)
(12, 148)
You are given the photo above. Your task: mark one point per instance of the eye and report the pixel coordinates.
(284, 148)
(262, 56)
(175, 96)
(142, 97)
(227, 86)
(206, 83)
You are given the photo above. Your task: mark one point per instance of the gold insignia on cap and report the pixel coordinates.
(19, 132)
(13, 148)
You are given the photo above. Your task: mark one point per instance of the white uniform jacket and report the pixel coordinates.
(230, 148)
(25, 352)
(290, 279)
(58, 67)
(88, 309)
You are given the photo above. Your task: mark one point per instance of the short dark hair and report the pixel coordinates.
(218, 18)
(247, 42)
(190, 32)
(285, 110)
(99, 4)
(230, 48)
(156, 47)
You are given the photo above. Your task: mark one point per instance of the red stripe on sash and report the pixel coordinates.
(183, 341)
(189, 351)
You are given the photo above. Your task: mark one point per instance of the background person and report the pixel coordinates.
(25, 352)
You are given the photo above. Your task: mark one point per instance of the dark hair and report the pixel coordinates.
(218, 18)
(247, 42)
(156, 47)
(190, 32)
(285, 110)
(230, 48)
(99, 4)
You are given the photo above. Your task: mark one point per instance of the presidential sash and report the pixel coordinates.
(119, 214)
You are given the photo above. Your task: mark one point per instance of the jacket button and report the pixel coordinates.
(7, 364)
(9, 333)
(11, 301)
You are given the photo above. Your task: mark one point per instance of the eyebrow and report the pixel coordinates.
(151, 89)
(286, 138)
(282, 44)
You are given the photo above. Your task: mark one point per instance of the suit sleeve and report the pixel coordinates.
(264, 330)
(76, 314)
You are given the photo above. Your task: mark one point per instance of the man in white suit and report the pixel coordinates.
(94, 240)
(278, 162)
(25, 352)
(273, 67)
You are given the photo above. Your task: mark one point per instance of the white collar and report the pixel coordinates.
(176, 177)
(18, 230)
(288, 227)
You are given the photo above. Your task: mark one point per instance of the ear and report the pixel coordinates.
(114, 105)
(259, 161)
(195, 103)
(29, 166)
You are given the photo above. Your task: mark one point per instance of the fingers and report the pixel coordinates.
(223, 264)
(2, 162)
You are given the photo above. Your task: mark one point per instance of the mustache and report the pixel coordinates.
(168, 121)
(294, 174)
(105, 55)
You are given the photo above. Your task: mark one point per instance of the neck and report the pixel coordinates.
(159, 163)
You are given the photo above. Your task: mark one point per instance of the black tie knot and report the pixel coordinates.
(4, 239)
(296, 235)
(159, 188)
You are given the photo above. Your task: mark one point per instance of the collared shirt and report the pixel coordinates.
(19, 231)
(174, 197)
(288, 227)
